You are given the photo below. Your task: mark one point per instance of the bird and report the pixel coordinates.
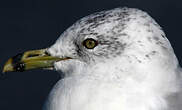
(117, 59)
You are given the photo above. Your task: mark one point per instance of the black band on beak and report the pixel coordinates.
(17, 64)
(20, 67)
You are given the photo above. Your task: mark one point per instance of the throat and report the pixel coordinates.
(126, 95)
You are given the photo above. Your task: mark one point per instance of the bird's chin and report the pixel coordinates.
(69, 67)
(61, 66)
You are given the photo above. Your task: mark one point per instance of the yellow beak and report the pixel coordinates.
(33, 59)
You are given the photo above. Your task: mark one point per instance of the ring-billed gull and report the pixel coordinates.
(118, 59)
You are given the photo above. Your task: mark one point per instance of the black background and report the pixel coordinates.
(36, 24)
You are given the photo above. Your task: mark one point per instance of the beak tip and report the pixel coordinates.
(7, 66)
(4, 71)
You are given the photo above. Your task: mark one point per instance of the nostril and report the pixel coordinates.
(32, 55)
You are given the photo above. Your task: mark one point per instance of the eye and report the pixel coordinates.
(90, 43)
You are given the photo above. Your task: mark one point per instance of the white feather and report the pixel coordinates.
(144, 76)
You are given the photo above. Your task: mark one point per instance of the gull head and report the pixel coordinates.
(122, 52)
(115, 41)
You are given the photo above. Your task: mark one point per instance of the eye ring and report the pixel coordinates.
(90, 43)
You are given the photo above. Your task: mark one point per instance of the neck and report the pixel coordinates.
(147, 83)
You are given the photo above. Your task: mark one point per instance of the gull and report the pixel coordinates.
(118, 59)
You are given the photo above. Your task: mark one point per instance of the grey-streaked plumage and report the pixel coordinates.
(133, 67)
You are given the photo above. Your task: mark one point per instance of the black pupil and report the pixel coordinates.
(90, 43)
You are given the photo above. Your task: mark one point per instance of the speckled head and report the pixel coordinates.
(124, 46)
(121, 32)
(123, 36)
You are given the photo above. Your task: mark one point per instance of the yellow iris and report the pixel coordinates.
(90, 43)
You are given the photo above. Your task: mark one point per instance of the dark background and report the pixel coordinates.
(36, 24)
